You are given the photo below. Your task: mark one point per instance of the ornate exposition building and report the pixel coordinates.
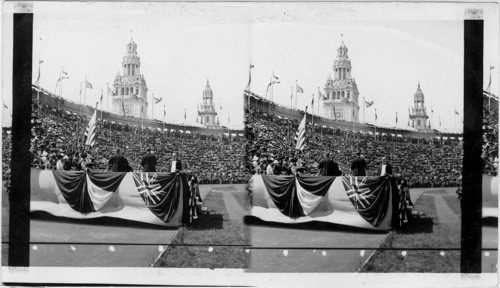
(341, 94)
(206, 110)
(418, 114)
(130, 87)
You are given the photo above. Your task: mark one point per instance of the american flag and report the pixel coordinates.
(148, 187)
(358, 192)
(90, 134)
(301, 134)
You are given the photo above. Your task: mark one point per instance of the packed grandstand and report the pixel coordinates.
(57, 132)
(423, 161)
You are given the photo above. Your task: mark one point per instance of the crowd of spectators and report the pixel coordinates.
(58, 136)
(422, 162)
(490, 139)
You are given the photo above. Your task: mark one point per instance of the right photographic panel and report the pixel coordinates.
(358, 131)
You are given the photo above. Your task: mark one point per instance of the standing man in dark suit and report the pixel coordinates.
(328, 167)
(175, 164)
(148, 162)
(358, 166)
(118, 163)
(385, 169)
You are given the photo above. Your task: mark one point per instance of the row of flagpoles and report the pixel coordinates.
(366, 104)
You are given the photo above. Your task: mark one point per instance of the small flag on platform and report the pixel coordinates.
(90, 134)
(301, 134)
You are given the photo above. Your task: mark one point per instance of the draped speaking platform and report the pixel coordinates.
(155, 198)
(377, 203)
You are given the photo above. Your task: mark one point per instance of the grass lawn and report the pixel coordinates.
(209, 231)
(454, 204)
(422, 232)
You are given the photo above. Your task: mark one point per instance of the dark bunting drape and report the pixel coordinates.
(162, 193)
(370, 196)
(74, 187)
(283, 192)
(316, 185)
(108, 181)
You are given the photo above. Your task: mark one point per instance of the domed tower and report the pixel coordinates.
(341, 93)
(206, 111)
(418, 114)
(130, 89)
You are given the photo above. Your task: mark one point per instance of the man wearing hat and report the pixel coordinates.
(148, 162)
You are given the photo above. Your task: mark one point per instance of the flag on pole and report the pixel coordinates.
(456, 112)
(249, 77)
(37, 82)
(111, 91)
(64, 72)
(164, 112)
(301, 134)
(5, 106)
(90, 134)
(375, 114)
(291, 95)
(184, 114)
(312, 101)
(123, 108)
(157, 100)
(396, 118)
(368, 103)
(299, 89)
(101, 96)
(87, 84)
(334, 113)
(275, 77)
(321, 95)
(488, 89)
(268, 86)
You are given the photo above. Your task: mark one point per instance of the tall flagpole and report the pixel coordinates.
(163, 119)
(153, 106)
(291, 98)
(312, 112)
(364, 107)
(296, 83)
(85, 91)
(107, 97)
(375, 125)
(38, 90)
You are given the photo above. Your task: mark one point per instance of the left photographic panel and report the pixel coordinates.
(135, 136)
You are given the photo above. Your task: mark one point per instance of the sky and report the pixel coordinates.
(392, 47)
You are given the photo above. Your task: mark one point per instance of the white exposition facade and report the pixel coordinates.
(340, 99)
(130, 90)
